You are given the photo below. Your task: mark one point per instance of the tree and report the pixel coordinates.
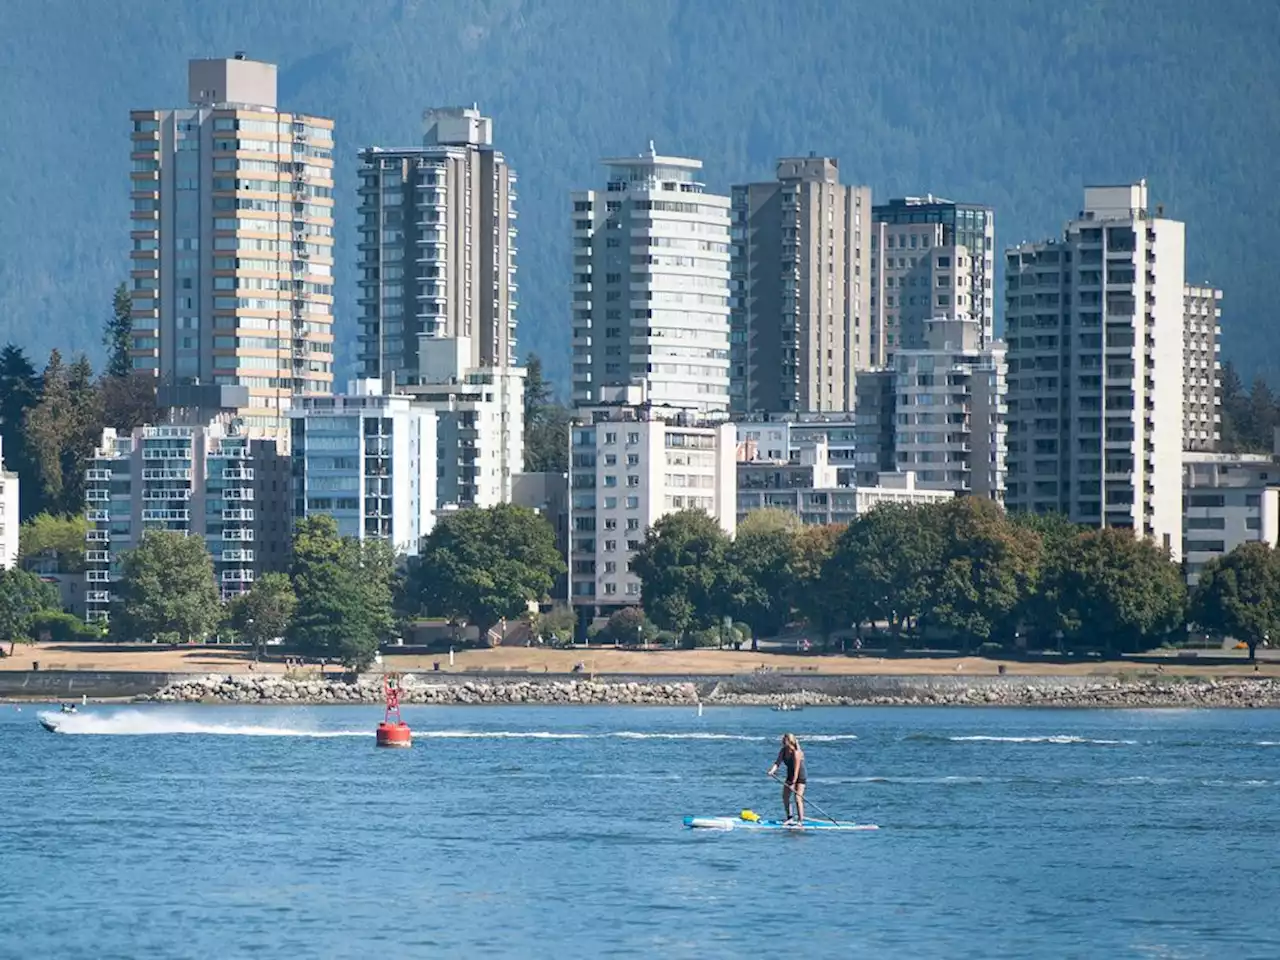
(760, 566)
(19, 393)
(682, 568)
(558, 623)
(117, 334)
(884, 564)
(23, 598)
(265, 612)
(814, 547)
(344, 593)
(986, 568)
(546, 424)
(486, 564)
(60, 536)
(629, 627)
(62, 430)
(129, 401)
(1238, 595)
(166, 592)
(1111, 589)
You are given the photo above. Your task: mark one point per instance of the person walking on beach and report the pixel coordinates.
(792, 757)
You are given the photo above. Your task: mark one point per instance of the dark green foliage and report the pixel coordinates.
(344, 589)
(987, 565)
(166, 592)
(1048, 93)
(481, 565)
(23, 598)
(546, 424)
(628, 627)
(1114, 592)
(761, 568)
(19, 393)
(117, 334)
(265, 612)
(1249, 420)
(1238, 595)
(885, 566)
(682, 563)
(59, 627)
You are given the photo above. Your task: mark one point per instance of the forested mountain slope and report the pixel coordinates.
(1017, 103)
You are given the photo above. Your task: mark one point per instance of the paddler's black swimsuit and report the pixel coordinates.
(794, 776)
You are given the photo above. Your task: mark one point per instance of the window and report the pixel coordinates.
(610, 545)
(633, 481)
(633, 503)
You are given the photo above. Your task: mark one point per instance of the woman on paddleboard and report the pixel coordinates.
(792, 757)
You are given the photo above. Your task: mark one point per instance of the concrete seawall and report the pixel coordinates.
(67, 684)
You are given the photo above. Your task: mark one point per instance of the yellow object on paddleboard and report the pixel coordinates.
(749, 816)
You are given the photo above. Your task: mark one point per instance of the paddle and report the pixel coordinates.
(809, 802)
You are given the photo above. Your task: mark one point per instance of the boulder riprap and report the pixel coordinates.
(1007, 691)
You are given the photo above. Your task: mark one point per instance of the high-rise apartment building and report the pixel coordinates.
(1201, 368)
(232, 227)
(437, 247)
(930, 258)
(201, 479)
(367, 460)
(1095, 334)
(651, 285)
(631, 464)
(10, 517)
(801, 288)
(949, 398)
(1228, 499)
(479, 422)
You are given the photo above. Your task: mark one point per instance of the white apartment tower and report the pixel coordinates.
(801, 287)
(437, 247)
(367, 460)
(1201, 368)
(479, 414)
(10, 517)
(651, 285)
(930, 258)
(232, 227)
(631, 464)
(950, 410)
(1095, 325)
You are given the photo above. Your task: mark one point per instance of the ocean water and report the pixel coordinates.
(185, 831)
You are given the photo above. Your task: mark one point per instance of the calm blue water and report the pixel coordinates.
(555, 832)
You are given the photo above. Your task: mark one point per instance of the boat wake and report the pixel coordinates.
(1052, 738)
(137, 723)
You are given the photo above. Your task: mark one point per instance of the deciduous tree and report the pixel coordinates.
(760, 570)
(59, 536)
(1238, 595)
(1114, 591)
(682, 566)
(166, 592)
(265, 612)
(23, 598)
(486, 564)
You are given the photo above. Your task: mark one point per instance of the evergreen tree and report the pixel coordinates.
(117, 334)
(19, 393)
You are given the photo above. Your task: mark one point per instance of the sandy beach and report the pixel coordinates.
(605, 661)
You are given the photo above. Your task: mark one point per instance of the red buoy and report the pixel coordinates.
(393, 731)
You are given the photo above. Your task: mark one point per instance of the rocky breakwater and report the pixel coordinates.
(267, 689)
(1008, 691)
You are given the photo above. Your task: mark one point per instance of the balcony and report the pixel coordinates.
(97, 576)
(98, 536)
(97, 556)
(166, 516)
(97, 596)
(238, 473)
(237, 515)
(97, 496)
(237, 576)
(166, 495)
(237, 556)
(238, 534)
(238, 493)
(98, 516)
(179, 473)
(97, 475)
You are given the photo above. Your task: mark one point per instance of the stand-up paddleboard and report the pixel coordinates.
(737, 823)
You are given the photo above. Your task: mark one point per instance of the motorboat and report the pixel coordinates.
(787, 707)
